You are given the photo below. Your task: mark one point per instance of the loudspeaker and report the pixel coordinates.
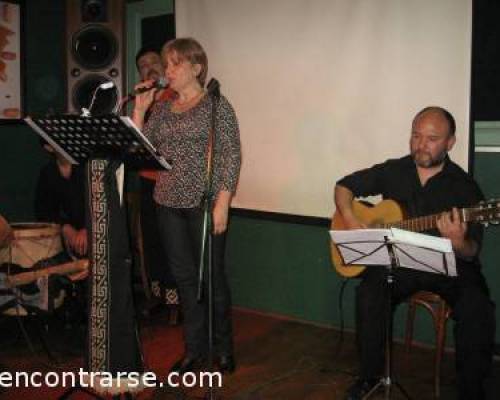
(95, 54)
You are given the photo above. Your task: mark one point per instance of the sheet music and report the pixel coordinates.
(412, 250)
(419, 239)
(362, 246)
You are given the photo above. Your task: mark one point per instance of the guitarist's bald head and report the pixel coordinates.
(440, 112)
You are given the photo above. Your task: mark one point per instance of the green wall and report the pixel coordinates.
(283, 268)
(487, 172)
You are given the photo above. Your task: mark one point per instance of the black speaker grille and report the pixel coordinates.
(105, 100)
(94, 47)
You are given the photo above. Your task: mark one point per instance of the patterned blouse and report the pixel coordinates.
(182, 138)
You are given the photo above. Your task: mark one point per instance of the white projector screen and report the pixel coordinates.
(325, 87)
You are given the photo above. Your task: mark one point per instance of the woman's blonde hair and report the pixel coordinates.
(190, 50)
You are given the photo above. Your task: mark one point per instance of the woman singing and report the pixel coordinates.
(179, 129)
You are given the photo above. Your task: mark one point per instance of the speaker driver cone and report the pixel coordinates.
(105, 100)
(94, 47)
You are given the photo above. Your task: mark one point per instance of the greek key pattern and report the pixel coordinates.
(99, 309)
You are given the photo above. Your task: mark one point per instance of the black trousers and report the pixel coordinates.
(154, 253)
(181, 234)
(473, 313)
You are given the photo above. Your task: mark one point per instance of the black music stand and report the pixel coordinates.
(394, 248)
(79, 139)
(105, 143)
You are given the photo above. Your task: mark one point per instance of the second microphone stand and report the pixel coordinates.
(206, 251)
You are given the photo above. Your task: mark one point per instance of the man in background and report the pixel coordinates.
(150, 67)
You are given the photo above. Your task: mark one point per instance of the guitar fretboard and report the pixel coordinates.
(418, 224)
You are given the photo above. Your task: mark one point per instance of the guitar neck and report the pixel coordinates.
(420, 224)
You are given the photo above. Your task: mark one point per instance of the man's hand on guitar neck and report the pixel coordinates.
(451, 226)
(343, 201)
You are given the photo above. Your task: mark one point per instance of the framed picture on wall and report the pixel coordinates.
(11, 93)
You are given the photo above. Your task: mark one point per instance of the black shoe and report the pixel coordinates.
(226, 364)
(360, 388)
(187, 364)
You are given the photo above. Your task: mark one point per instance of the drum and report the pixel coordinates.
(32, 242)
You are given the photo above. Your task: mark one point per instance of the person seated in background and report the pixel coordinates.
(150, 67)
(60, 199)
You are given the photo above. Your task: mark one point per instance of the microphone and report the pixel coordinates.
(161, 83)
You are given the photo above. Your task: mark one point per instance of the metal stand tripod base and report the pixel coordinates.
(387, 383)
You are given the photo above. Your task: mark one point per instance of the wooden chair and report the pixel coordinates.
(440, 313)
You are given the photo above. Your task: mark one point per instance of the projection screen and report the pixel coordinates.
(325, 87)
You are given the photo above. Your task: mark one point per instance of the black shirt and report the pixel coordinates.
(398, 180)
(60, 200)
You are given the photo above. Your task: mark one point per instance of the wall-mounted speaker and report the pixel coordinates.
(95, 54)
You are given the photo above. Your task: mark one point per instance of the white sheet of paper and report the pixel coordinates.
(421, 240)
(412, 250)
(423, 259)
(362, 246)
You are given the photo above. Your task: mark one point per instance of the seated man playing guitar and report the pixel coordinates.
(424, 182)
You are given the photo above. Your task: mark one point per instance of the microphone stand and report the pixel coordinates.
(213, 89)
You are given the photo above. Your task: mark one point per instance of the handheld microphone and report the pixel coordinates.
(161, 83)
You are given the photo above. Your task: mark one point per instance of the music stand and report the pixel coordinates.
(394, 248)
(79, 139)
(105, 143)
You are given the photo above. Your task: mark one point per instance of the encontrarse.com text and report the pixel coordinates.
(106, 379)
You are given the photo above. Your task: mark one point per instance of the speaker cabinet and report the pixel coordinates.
(95, 54)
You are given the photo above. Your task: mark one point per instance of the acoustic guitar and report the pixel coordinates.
(389, 214)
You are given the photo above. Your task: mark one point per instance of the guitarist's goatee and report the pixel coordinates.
(424, 159)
